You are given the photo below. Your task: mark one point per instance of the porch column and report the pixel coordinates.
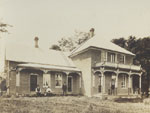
(18, 80)
(131, 77)
(140, 78)
(116, 84)
(80, 80)
(67, 73)
(129, 84)
(102, 82)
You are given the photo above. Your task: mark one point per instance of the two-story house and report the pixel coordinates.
(107, 69)
(97, 67)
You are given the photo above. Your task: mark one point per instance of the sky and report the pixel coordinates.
(51, 20)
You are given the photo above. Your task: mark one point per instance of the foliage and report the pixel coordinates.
(3, 27)
(141, 48)
(55, 47)
(121, 42)
(70, 43)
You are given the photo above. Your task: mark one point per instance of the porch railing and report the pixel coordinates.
(118, 65)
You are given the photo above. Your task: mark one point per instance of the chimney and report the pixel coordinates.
(36, 39)
(92, 32)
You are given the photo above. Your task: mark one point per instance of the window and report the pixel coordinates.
(58, 80)
(46, 80)
(123, 83)
(122, 59)
(112, 57)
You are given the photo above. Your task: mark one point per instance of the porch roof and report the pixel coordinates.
(49, 67)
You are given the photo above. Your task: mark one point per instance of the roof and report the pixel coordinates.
(32, 55)
(102, 44)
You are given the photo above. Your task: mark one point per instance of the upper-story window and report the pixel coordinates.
(112, 57)
(122, 59)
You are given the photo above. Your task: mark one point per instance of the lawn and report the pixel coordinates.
(69, 104)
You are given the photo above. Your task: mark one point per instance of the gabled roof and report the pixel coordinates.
(32, 55)
(100, 43)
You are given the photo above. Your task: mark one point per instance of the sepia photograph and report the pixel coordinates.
(74, 56)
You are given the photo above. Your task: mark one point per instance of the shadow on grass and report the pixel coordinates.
(131, 100)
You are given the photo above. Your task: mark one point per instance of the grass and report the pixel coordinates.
(69, 104)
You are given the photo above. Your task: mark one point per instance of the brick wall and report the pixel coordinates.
(83, 62)
(95, 57)
(12, 82)
(24, 87)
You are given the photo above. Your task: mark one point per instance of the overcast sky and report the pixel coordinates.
(51, 20)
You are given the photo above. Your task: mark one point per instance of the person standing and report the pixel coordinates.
(112, 86)
(64, 88)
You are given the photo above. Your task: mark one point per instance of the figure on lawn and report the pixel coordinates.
(64, 88)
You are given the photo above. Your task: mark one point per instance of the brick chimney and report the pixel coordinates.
(92, 32)
(36, 39)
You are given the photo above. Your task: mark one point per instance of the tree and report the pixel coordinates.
(3, 27)
(55, 47)
(70, 43)
(141, 48)
(122, 42)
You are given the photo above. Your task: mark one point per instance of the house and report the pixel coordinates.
(97, 67)
(26, 67)
(103, 63)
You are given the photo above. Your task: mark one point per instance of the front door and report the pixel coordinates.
(135, 84)
(70, 80)
(33, 82)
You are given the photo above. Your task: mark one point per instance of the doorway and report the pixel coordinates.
(99, 86)
(70, 83)
(33, 82)
(135, 84)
